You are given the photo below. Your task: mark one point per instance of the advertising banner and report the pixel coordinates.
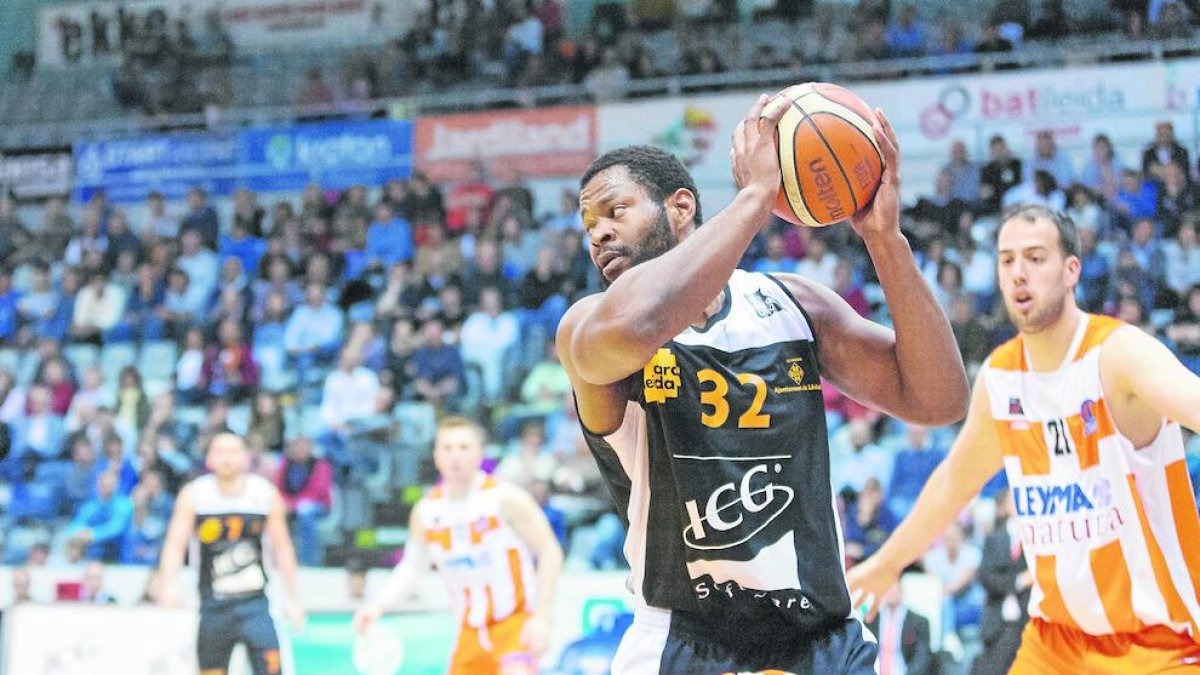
(129, 169)
(36, 173)
(336, 155)
(89, 32)
(541, 143)
(928, 113)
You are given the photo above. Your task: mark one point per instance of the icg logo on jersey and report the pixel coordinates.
(660, 377)
(734, 513)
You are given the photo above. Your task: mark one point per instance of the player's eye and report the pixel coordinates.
(618, 210)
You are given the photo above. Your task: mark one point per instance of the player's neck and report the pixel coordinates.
(458, 490)
(231, 485)
(1048, 348)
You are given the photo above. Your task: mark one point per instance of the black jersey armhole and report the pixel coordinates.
(812, 327)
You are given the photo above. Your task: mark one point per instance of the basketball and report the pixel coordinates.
(830, 160)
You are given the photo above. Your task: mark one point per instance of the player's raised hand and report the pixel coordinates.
(365, 617)
(869, 581)
(754, 157)
(883, 213)
(295, 616)
(535, 636)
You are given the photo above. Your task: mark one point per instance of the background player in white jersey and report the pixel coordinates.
(1082, 412)
(699, 390)
(227, 513)
(492, 545)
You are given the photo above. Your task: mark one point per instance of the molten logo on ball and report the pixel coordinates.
(825, 190)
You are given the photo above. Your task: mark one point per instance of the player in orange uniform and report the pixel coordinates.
(1083, 412)
(483, 537)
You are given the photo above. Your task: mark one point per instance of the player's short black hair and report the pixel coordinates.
(1068, 234)
(655, 169)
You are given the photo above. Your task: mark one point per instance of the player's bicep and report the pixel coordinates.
(277, 527)
(1146, 368)
(183, 520)
(598, 351)
(601, 406)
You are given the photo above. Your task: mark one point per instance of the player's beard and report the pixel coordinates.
(1043, 316)
(658, 240)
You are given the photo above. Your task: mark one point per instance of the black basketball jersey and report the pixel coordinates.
(721, 469)
(229, 537)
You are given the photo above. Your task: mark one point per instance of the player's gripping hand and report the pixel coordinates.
(868, 582)
(754, 156)
(295, 616)
(365, 617)
(882, 215)
(535, 635)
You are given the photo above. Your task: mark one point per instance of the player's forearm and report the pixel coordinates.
(399, 585)
(170, 561)
(549, 568)
(288, 567)
(655, 300)
(936, 507)
(931, 369)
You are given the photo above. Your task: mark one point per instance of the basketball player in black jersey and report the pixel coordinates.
(229, 512)
(698, 388)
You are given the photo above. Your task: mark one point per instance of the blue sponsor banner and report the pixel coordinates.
(129, 169)
(335, 155)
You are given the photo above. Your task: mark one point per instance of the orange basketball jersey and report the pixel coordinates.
(1110, 531)
(487, 568)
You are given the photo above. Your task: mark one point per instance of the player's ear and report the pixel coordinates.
(1073, 267)
(681, 211)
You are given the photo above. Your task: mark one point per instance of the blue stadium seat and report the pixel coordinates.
(81, 357)
(115, 357)
(157, 360)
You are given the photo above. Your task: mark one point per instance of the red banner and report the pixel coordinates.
(541, 143)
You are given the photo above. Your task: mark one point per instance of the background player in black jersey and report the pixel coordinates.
(698, 389)
(227, 513)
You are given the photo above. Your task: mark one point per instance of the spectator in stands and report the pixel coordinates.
(436, 368)
(9, 316)
(241, 246)
(955, 562)
(132, 406)
(1173, 21)
(525, 460)
(101, 522)
(189, 370)
(120, 239)
(278, 280)
(159, 224)
(313, 333)
(608, 80)
(267, 420)
(775, 260)
(1176, 197)
(1041, 188)
(54, 232)
(306, 484)
(913, 465)
(314, 91)
(141, 320)
(1182, 258)
(56, 376)
(93, 585)
(437, 255)
(349, 394)
(818, 263)
(202, 219)
(40, 434)
(1102, 173)
(903, 637)
(523, 42)
(855, 457)
(971, 334)
(845, 286)
(79, 483)
(201, 265)
(98, 307)
(1007, 582)
(487, 271)
(964, 175)
(1083, 209)
(247, 214)
(1164, 150)
(13, 234)
(1001, 173)
(152, 508)
(37, 306)
(1144, 245)
(907, 35)
(229, 370)
(991, 42)
(1183, 333)
(826, 40)
(488, 339)
(541, 300)
(1095, 273)
(1136, 199)
(21, 584)
(1047, 157)
(389, 238)
(89, 243)
(12, 398)
(869, 522)
(114, 458)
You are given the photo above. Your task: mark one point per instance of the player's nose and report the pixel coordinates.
(602, 233)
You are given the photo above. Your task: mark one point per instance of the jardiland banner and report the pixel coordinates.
(87, 32)
(1122, 100)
